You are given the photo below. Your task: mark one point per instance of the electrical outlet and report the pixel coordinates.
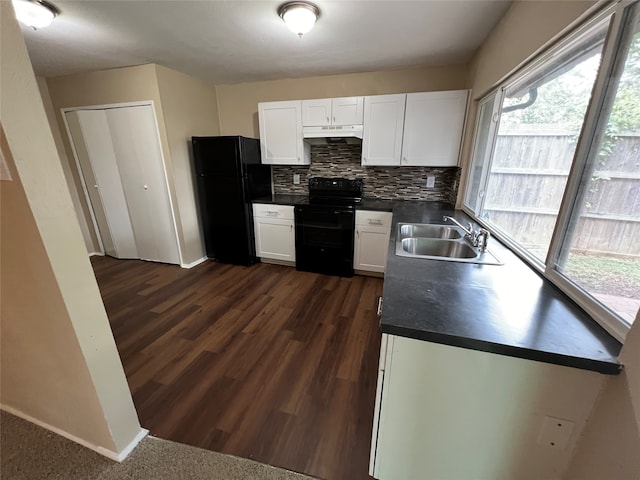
(431, 181)
(555, 432)
(296, 179)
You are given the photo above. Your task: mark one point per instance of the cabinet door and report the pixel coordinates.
(316, 113)
(275, 239)
(371, 242)
(371, 247)
(94, 149)
(433, 128)
(281, 133)
(347, 110)
(382, 129)
(137, 146)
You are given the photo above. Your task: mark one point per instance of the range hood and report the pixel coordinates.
(349, 134)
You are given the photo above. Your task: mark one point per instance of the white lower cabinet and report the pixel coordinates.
(371, 242)
(275, 232)
(445, 412)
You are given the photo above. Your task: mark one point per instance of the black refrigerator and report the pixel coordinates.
(229, 176)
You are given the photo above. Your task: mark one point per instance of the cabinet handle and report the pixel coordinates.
(375, 222)
(146, 187)
(327, 119)
(96, 186)
(334, 119)
(379, 311)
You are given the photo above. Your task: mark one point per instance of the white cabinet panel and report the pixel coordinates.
(371, 240)
(440, 404)
(274, 231)
(281, 140)
(283, 212)
(382, 129)
(433, 127)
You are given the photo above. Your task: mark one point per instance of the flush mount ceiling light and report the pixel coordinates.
(35, 13)
(299, 16)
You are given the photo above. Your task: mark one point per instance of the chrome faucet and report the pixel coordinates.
(477, 238)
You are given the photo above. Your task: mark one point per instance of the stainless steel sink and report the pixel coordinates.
(439, 242)
(426, 230)
(435, 247)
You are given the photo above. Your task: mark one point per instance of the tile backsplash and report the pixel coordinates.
(340, 160)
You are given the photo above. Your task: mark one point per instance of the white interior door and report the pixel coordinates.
(90, 133)
(137, 150)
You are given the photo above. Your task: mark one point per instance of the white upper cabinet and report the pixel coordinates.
(332, 111)
(433, 126)
(281, 134)
(316, 113)
(382, 129)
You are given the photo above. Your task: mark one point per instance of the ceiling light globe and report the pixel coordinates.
(35, 14)
(300, 17)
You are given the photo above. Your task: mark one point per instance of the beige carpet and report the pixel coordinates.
(30, 452)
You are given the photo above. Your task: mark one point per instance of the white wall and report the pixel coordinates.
(68, 167)
(60, 366)
(610, 446)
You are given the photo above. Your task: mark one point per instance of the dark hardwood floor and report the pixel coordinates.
(262, 362)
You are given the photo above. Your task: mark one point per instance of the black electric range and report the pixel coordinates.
(325, 226)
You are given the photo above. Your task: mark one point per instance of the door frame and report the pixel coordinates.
(108, 106)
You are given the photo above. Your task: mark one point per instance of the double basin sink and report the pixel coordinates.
(439, 242)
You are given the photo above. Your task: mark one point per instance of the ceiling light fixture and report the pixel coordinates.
(299, 16)
(35, 13)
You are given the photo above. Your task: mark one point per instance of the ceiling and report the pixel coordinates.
(235, 41)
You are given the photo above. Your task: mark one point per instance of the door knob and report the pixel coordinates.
(146, 187)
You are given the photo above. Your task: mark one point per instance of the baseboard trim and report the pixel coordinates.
(194, 263)
(96, 254)
(367, 273)
(273, 261)
(118, 457)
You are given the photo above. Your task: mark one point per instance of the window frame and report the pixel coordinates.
(617, 15)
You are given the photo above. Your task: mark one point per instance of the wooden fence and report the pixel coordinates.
(529, 174)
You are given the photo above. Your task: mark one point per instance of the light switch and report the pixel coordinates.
(296, 179)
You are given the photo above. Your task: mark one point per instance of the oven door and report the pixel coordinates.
(324, 239)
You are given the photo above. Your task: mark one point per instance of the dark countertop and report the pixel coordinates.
(506, 309)
(298, 199)
(283, 199)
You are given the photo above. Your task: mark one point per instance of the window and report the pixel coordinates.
(555, 168)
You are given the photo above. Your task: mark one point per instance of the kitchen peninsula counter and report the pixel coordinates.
(503, 309)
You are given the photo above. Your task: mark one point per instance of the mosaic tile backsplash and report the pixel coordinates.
(389, 183)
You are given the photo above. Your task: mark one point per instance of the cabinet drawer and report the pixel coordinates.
(284, 212)
(371, 218)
